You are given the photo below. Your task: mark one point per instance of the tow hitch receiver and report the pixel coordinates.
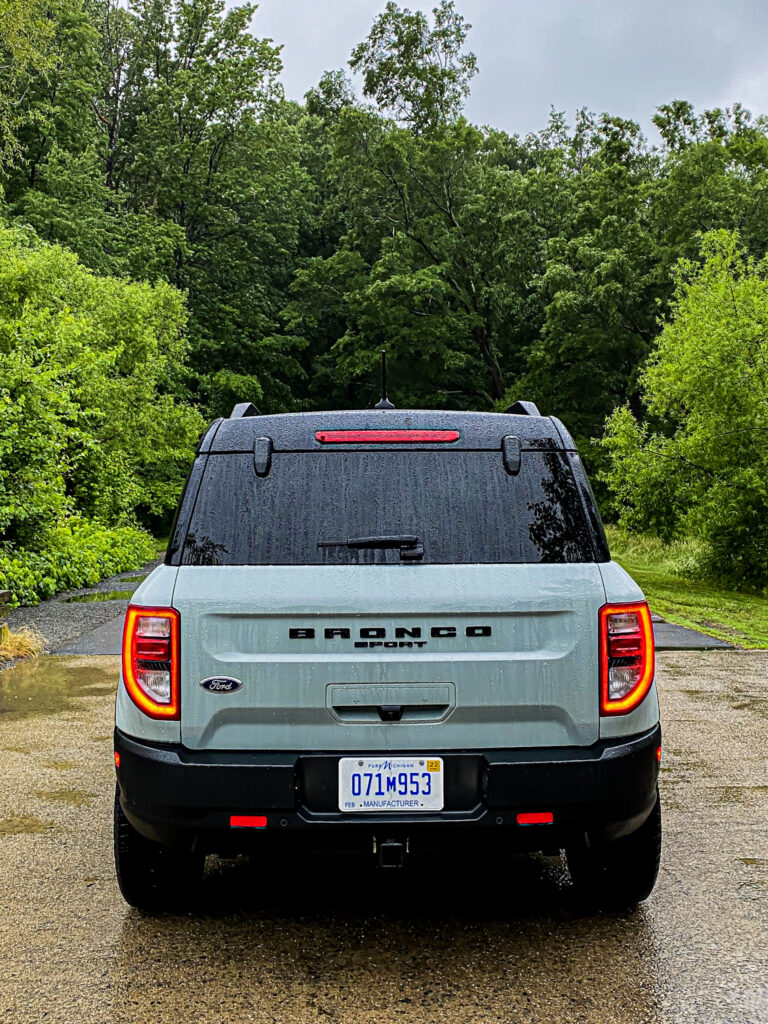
(391, 853)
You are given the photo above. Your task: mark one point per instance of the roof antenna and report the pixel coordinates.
(385, 402)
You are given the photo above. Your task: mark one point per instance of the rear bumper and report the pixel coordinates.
(180, 796)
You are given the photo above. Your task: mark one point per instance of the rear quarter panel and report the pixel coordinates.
(155, 592)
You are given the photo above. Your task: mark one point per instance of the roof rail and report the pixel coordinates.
(523, 409)
(244, 409)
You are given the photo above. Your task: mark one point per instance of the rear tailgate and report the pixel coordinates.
(473, 656)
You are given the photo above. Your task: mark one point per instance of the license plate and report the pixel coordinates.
(405, 784)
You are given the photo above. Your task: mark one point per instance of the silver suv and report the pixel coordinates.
(387, 632)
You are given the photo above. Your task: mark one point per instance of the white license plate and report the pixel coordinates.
(404, 784)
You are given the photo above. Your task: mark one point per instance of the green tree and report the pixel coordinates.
(26, 33)
(714, 175)
(603, 281)
(697, 466)
(88, 368)
(415, 71)
(195, 132)
(439, 247)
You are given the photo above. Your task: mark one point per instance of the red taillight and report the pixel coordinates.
(117, 760)
(626, 656)
(535, 818)
(248, 821)
(386, 436)
(151, 660)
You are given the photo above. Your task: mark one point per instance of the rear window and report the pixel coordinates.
(462, 505)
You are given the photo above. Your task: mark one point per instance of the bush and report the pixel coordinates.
(683, 558)
(75, 554)
(698, 466)
(93, 435)
(90, 367)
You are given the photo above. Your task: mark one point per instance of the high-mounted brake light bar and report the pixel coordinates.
(387, 436)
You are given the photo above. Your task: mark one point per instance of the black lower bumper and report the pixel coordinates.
(181, 796)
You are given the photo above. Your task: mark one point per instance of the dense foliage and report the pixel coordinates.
(90, 433)
(698, 466)
(152, 139)
(76, 554)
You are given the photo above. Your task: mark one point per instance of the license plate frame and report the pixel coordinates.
(365, 784)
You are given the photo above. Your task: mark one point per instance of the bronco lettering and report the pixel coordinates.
(380, 633)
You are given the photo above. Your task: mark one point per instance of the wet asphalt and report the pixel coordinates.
(458, 942)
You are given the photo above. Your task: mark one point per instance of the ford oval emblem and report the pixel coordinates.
(221, 684)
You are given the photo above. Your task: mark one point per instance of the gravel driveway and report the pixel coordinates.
(465, 942)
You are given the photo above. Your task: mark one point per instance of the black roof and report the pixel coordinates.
(296, 431)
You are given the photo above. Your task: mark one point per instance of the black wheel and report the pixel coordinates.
(620, 874)
(152, 876)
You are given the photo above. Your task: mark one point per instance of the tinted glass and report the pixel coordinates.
(463, 506)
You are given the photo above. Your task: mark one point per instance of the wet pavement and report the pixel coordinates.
(468, 942)
(670, 637)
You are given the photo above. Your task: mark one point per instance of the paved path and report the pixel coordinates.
(462, 943)
(670, 637)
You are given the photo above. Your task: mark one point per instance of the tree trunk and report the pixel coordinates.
(483, 338)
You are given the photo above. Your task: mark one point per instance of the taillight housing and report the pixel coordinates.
(626, 656)
(151, 660)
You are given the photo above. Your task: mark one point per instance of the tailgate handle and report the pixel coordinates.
(370, 714)
(390, 712)
(374, 703)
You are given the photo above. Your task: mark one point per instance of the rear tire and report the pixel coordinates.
(153, 876)
(621, 874)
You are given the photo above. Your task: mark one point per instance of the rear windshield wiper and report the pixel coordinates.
(410, 547)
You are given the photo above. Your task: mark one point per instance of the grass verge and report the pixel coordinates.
(737, 616)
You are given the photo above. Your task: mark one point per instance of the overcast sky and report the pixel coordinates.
(623, 56)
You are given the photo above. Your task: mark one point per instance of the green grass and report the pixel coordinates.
(738, 616)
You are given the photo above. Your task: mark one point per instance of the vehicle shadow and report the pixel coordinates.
(464, 941)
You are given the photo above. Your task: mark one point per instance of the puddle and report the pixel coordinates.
(49, 684)
(134, 579)
(24, 825)
(60, 766)
(72, 797)
(99, 595)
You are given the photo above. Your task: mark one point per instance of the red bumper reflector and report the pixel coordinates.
(386, 436)
(658, 754)
(117, 760)
(535, 818)
(248, 821)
